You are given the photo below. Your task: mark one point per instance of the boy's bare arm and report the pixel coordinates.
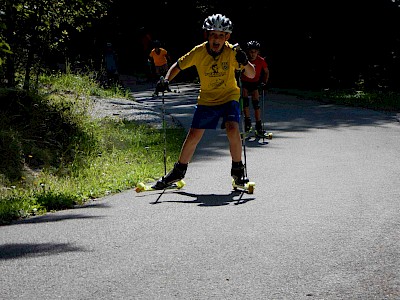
(266, 75)
(172, 72)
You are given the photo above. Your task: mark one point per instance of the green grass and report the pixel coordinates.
(376, 100)
(54, 156)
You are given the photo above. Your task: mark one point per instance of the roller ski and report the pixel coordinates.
(258, 133)
(240, 181)
(142, 187)
(173, 180)
(263, 134)
(246, 187)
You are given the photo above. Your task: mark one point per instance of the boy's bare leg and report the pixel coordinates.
(178, 172)
(189, 146)
(235, 142)
(257, 114)
(246, 110)
(256, 97)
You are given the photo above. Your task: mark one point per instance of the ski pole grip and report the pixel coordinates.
(236, 47)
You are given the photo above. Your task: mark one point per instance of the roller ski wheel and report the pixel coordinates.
(142, 187)
(267, 135)
(247, 187)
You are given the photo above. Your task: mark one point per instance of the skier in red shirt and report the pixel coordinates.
(250, 87)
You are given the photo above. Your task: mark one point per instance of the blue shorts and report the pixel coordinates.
(207, 117)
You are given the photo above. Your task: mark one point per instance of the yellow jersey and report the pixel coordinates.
(217, 74)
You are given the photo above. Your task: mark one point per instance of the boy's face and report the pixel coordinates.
(217, 39)
(252, 54)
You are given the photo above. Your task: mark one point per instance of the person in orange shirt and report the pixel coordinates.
(160, 58)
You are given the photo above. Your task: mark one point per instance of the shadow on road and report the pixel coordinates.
(52, 218)
(207, 200)
(11, 251)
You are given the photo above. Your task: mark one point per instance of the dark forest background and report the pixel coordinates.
(307, 44)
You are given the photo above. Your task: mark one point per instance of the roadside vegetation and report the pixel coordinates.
(377, 100)
(54, 155)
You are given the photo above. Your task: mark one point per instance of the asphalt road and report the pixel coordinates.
(323, 223)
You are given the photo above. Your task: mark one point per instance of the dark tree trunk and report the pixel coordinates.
(10, 61)
(28, 68)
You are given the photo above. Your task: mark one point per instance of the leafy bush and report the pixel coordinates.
(53, 155)
(11, 162)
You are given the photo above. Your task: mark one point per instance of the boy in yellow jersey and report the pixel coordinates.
(216, 61)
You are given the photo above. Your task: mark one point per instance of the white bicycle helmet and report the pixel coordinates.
(253, 45)
(218, 22)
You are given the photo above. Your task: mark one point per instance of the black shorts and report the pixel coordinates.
(250, 86)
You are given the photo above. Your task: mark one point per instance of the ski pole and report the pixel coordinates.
(262, 114)
(243, 137)
(164, 128)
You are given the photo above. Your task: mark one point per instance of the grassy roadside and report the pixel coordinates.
(54, 156)
(377, 100)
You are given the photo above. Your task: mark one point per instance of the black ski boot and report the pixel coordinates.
(176, 174)
(259, 131)
(237, 173)
(247, 124)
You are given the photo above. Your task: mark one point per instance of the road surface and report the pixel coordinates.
(323, 223)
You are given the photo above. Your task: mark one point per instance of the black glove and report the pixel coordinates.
(162, 85)
(241, 57)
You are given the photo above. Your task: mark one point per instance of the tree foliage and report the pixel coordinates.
(36, 28)
(308, 44)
